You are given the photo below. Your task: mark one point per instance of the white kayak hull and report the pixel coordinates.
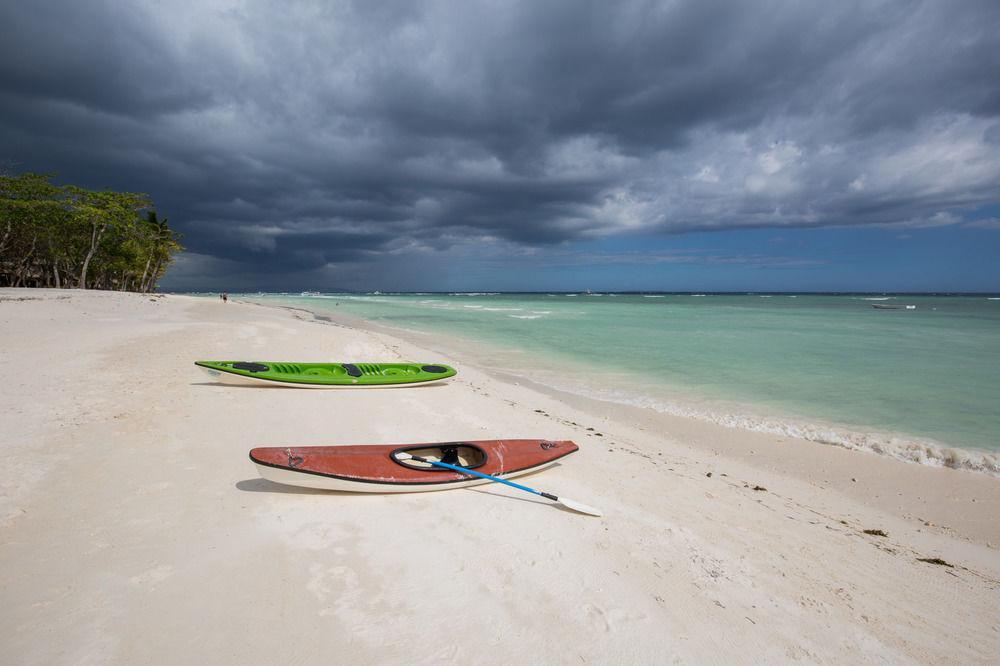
(305, 480)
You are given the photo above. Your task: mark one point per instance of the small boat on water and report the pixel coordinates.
(324, 375)
(377, 469)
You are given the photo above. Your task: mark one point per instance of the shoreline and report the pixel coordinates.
(925, 500)
(730, 413)
(127, 492)
(905, 448)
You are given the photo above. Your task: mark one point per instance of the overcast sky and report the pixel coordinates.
(537, 145)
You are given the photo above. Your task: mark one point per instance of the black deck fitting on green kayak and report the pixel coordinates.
(251, 367)
(434, 368)
(352, 370)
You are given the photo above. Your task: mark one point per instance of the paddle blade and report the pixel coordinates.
(580, 507)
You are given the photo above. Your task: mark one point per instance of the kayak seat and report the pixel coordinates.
(449, 454)
(462, 454)
(319, 372)
(399, 370)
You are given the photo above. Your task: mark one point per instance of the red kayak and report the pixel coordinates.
(376, 469)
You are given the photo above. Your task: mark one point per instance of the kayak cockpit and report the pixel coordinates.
(462, 454)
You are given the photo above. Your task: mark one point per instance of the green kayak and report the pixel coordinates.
(319, 375)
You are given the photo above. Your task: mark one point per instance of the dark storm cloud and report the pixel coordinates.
(297, 135)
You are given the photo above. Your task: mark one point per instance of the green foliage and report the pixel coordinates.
(52, 236)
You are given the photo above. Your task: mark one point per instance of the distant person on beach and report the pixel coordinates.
(225, 297)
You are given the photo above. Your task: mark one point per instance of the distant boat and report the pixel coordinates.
(880, 306)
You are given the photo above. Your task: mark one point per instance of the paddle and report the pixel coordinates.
(568, 503)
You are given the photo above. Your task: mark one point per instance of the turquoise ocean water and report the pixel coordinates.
(920, 383)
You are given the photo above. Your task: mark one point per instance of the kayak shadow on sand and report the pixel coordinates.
(530, 499)
(260, 485)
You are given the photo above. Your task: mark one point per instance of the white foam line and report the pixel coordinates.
(914, 450)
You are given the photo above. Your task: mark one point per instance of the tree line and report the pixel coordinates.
(68, 236)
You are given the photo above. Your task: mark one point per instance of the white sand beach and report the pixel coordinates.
(135, 530)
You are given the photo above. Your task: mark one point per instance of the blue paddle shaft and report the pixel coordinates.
(473, 472)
